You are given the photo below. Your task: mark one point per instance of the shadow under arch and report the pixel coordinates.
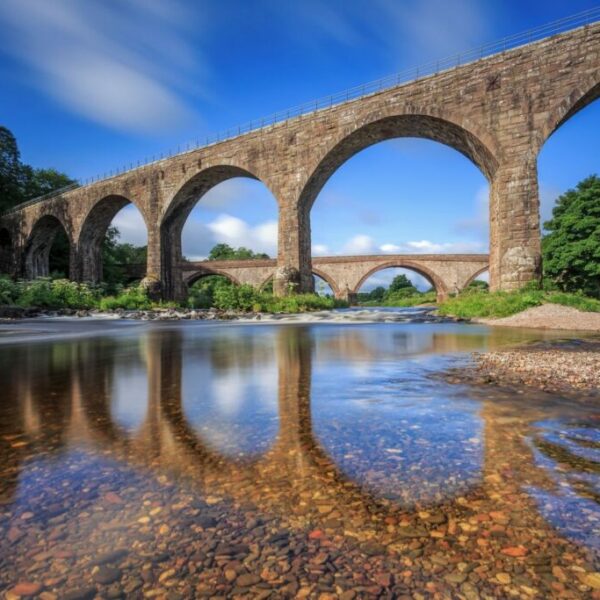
(328, 280)
(178, 210)
(324, 276)
(93, 231)
(207, 272)
(473, 277)
(587, 92)
(39, 243)
(416, 125)
(6, 251)
(435, 280)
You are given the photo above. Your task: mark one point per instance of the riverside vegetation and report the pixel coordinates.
(57, 294)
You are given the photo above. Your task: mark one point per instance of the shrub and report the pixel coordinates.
(134, 298)
(57, 293)
(9, 291)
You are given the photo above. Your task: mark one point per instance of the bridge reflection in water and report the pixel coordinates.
(347, 439)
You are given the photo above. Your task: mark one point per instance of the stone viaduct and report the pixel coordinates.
(497, 111)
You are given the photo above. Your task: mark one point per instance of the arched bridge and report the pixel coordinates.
(498, 111)
(447, 273)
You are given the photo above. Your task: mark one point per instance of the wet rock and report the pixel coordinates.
(247, 579)
(86, 593)
(27, 588)
(106, 575)
(110, 557)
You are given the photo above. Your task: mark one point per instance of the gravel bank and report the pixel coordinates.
(550, 316)
(547, 369)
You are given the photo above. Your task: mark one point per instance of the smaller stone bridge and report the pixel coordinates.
(447, 273)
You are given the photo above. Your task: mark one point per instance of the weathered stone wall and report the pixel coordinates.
(497, 111)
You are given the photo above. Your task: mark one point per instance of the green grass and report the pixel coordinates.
(473, 304)
(402, 302)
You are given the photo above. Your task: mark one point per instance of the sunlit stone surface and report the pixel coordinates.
(270, 460)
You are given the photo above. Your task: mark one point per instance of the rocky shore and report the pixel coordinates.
(550, 366)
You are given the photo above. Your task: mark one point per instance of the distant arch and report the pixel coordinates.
(6, 251)
(191, 279)
(436, 281)
(93, 231)
(475, 276)
(328, 280)
(39, 244)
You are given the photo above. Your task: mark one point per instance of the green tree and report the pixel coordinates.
(401, 283)
(116, 257)
(37, 182)
(377, 293)
(226, 252)
(11, 176)
(571, 248)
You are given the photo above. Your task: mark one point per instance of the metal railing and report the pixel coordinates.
(581, 19)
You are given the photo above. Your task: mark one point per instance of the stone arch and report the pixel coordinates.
(39, 243)
(378, 129)
(93, 230)
(436, 281)
(177, 211)
(6, 251)
(329, 280)
(578, 99)
(474, 277)
(191, 279)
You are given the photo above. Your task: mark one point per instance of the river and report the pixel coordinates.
(323, 458)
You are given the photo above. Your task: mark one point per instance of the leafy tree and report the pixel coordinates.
(226, 252)
(37, 182)
(401, 282)
(571, 248)
(377, 293)
(116, 257)
(20, 182)
(11, 184)
(478, 284)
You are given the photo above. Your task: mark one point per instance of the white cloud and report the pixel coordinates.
(120, 64)
(131, 226)
(198, 238)
(320, 250)
(364, 244)
(360, 244)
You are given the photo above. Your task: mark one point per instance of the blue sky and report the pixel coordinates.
(90, 86)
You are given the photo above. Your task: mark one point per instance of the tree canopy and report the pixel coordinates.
(571, 248)
(226, 252)
(21, 182)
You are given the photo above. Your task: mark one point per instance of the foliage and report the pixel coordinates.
(571, 249)
(414, 299)
(245, 298)
(20, 182)
(117, 256)
(401, 282)
(201, 292)
(133, 298)
(475, 303)
(479, 284)
(54, 293)
(226, 252)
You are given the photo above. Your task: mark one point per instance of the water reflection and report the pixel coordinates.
(320, 427)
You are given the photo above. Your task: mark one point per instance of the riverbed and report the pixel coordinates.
(320, 457)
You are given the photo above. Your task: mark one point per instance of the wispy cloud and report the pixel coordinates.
(125, 65)
(365, 244)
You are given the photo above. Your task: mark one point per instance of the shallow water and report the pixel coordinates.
(226, 459)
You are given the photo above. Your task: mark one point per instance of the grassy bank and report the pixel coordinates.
(474, 304)
(55, 294)
(404, 302)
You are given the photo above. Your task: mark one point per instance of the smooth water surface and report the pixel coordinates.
(269, 460)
